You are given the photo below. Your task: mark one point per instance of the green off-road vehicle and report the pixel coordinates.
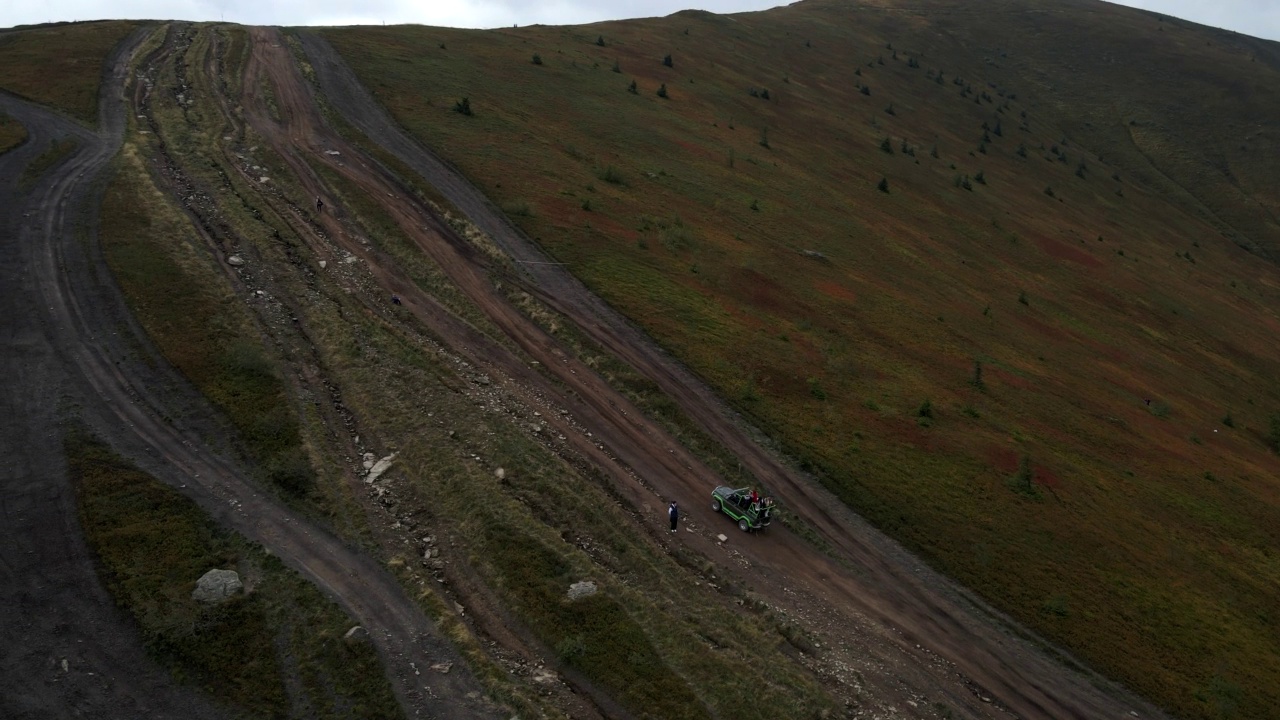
(737, 504)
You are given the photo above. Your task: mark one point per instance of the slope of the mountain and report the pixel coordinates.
(60, 64)
(997, 274)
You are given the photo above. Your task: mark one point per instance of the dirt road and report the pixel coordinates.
(65, 649)
(70, 342)
(929, 616)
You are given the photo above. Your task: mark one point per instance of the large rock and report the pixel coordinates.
(217, 586)
(356, 635)
(578, 590)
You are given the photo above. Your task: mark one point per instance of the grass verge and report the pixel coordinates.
(12, 133)
(200, 325)
(152, 544)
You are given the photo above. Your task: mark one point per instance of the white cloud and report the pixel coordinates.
(1253, 17)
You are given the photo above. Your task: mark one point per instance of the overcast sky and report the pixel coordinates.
(1260, 18)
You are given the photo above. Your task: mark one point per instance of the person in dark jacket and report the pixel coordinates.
(673, 512)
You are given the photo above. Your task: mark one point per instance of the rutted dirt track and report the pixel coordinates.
(131, 400)
(923, 631)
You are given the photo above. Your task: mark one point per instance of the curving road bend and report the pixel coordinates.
(69, 339)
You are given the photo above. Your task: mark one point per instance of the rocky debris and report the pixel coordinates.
(380, 467)
(235, 261)
(722, 537)
(356, 634)
(443, 667)
(583, 589)
(217, 586)
(323, 264)
(500, 473)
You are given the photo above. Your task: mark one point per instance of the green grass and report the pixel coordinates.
(594, 635)
(61, 65)
(734, 295)
(200, 325)
(52, 157)
(152, 544)
(12, 133)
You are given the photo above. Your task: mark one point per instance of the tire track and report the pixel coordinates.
(132, 401)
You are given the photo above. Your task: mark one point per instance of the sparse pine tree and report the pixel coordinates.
(999, 131)
(886, 146)
(616, 67)
(858, 72)
(883, 185)
(600, 40)
(865, 90)
(537, 59)
(925, 410)
(1022, 297)
(1025, 477)
(463, 107)
(934, 152)
(980, 178)
(667, 61)
(764, 138)
(977, 371)
(764, 94)
(662, 90)
(632, 88)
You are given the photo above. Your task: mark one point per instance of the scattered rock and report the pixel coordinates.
(235, 261)
(579, 590)
(443, 667)
(263, 179)
(332, 152)
(380, 467)
(323, 263)
(500, 473)
(356, 634)
(217, 586)
(722, 538)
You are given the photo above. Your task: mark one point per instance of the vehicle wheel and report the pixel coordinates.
(743, 526)
(715, 504)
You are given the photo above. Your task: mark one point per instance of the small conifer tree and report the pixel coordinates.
(662, 90)
(883, 185)
(667, 61)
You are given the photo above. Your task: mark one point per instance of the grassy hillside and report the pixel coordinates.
(275, 652)
(60, 65)
(945, 244)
